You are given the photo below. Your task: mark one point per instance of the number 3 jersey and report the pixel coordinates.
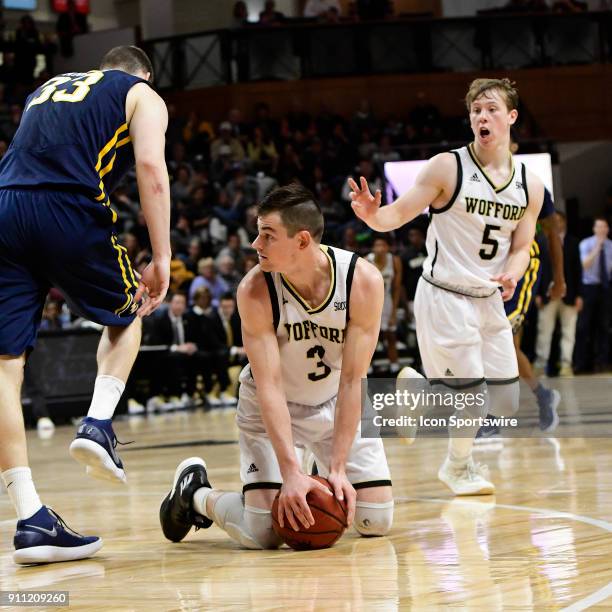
(73, 136)
(468, 240)
(311, 340)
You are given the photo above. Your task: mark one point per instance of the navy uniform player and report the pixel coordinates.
(484, 210)
(79, 134)
(311, 318)
(519, 306)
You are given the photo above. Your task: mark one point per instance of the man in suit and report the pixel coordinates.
(173, 329)
(566, 308)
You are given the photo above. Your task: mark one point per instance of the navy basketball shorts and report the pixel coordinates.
(64, 240)
(518, 307)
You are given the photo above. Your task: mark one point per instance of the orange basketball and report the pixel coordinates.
(330, 521)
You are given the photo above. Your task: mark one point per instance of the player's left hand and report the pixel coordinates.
(508, 283)
(344, 490)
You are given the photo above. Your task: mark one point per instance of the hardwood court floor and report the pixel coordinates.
(544, 542)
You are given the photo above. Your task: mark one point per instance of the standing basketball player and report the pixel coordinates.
(311, 318)
(79, 134)
(390, 267)
(484, 212)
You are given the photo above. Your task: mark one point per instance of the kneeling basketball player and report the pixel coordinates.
(311, 317)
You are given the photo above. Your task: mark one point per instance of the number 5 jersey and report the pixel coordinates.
(468, 240)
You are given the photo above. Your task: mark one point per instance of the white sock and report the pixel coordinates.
(199, 501)
(460, 451)
(106, 396)
(21, 490)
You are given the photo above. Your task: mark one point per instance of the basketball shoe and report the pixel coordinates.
(45, 538)
(94, 447)
(469, 479)
(176, 513)
(548, 401)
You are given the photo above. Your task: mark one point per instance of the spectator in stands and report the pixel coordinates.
(208, 277)
(197, 135)
(227, 272)
(270, 16)
(233, 249)
(52, 317)
(262, 152)
(181, 186)
(220, 145)
(385, 151)
(412, 258)
(596, 257)
(367, 147)
(566, 308)
(27, 46)
(570, 6)
(9, 126)
(69, 24)
(240, 14)
(321, 8)
(213, 350)
(334, 213)
(173, 329)
(230, 320)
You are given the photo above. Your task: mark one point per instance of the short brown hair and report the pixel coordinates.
(129, 59)
(297, 208)
(505, 87)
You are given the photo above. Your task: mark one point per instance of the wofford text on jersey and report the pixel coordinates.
(488, 208)
(304, 330)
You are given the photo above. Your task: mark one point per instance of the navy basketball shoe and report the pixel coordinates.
(548, 402)
(176, 513)
(45, 538)
(94, 446)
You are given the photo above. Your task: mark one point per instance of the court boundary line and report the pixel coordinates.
(582, 604)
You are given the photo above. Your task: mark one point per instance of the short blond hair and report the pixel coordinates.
(505, 87)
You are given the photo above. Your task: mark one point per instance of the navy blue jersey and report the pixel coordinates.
(548, 206)
(73, 136)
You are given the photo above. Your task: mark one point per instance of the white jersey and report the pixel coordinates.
(311, 340)
(468, 240)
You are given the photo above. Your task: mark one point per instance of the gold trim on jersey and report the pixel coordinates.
(113, 142)
(332, 285)
(125, 269)
(497, 189)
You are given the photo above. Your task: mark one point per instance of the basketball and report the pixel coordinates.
(329, 514)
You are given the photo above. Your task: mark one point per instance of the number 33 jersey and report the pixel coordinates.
(468, 240)
(311, 339)
(73, 136)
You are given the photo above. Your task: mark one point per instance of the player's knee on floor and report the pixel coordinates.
(503, 398)
(373, 519)
(249, 526)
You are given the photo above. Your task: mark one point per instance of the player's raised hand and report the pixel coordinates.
(364, 203)
(344, 490)
(292, 502)
(508, 284)
(152, 287)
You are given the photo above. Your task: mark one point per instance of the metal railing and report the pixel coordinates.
(405, 45)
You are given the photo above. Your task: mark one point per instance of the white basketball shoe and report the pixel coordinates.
(469, 479)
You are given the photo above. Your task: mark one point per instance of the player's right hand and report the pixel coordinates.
(292, 500)
(152, 287)
(364, 203)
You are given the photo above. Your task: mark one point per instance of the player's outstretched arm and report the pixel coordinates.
(435, 181)
(148, 118)
(261, 345)
(365, 309)
(522, 237)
